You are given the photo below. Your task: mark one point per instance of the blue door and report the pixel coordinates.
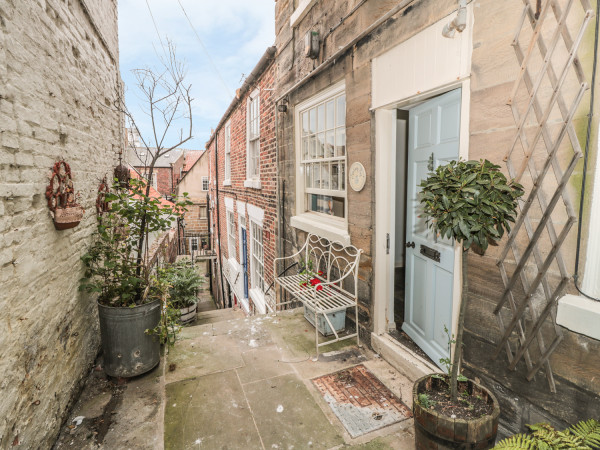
(245, 262)
(433, 140)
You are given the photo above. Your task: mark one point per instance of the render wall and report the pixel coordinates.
(265, 197)
(58, 73)
(494, 68)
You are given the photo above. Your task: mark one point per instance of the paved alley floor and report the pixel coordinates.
(232, 382)
(245, 383)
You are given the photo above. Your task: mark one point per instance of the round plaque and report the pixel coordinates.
(357, 176)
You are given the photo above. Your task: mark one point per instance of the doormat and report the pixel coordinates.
(361, 402)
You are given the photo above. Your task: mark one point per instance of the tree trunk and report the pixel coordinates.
(459, 332)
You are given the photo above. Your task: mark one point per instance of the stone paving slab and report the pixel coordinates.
(202, 356)
(209, 412)
(262, 363)
(287, 415)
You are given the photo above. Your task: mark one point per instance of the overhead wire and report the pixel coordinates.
(214, 66)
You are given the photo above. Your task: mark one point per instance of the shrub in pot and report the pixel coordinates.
(184, 285)
(131, 299)
(473, 203)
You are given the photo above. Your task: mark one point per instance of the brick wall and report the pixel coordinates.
(265, 197)
(58, 72)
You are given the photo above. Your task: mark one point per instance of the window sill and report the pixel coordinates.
(227, 183)
(301, 11)
(258, 297)
(580, 315)
(254, 184)
(323, 227)
(235, 266)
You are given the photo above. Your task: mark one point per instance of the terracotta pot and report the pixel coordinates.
(65, 218)
(437, 431)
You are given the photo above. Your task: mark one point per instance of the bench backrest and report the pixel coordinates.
(332, 261)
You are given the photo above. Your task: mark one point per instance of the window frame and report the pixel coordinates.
(231, 234)
(227, 179)
(335, 228)
(205, 179)
(253, 122)
(191, 241)
(254, 260)
(203, 208)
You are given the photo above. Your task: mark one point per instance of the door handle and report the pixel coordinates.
(410, 244)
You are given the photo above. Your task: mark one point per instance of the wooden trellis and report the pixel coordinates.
(544, 72)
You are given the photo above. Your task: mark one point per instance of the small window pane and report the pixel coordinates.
(335, 176)
(325, 176)
(341, 111)
(342, 176)
(332, 206)
(308, 177)
(329, 144)
(313, 121)
(316, 170)
(321, 118)
(340, 142)
(320, 145)
(305, 142)
(329, 123)
(313, 147)
(304, 123)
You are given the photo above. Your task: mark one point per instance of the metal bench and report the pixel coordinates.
(326, 282)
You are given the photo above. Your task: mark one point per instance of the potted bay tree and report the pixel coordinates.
(473, 203)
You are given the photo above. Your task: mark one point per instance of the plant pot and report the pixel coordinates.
(128, 351)
(188, 314)
(437, 431)
(69, 217)
(338, 320)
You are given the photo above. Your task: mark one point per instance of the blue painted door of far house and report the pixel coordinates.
(433, 140)
(245, 262)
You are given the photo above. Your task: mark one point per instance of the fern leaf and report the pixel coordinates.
(588, 431)
(516, 442)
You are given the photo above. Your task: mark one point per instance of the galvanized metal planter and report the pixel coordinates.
(128, 351)
(436, 431)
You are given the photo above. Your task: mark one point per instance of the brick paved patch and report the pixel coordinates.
(360, 401)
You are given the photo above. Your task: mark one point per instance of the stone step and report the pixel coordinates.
(217, 315)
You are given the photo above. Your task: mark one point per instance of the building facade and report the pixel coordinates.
(59, 70)
(195, 232)
(374, 94)
(243, 193)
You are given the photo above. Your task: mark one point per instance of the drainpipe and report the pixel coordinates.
(218, 213)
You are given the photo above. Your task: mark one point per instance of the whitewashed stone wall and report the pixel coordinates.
(58, 73)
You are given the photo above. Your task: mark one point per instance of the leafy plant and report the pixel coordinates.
(585, 435)
(473, 203)
(168, 328)
(425, 401)
(114, 268)
(184, 283)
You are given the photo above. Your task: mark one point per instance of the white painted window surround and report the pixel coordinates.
(576, 312)
(301, 11)
(329, 226)
(253, 141)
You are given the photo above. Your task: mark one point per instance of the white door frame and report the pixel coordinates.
(385, 164)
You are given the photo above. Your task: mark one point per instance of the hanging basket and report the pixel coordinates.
(69, 217)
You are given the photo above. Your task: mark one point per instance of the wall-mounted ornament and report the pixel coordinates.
(357, 176)
(101, 202)
(62, 199)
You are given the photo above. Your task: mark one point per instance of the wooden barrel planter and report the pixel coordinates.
(436, 431)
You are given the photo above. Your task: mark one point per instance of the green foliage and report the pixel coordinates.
(168, 328)
(470, 201)
(584, 435)
(184, 283)
(115, 268)
(425, 401)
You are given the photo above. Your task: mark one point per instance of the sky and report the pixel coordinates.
(235, 34)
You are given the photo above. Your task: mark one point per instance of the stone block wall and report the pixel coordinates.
(58, 75)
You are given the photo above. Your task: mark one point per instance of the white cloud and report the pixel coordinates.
(235, 33)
